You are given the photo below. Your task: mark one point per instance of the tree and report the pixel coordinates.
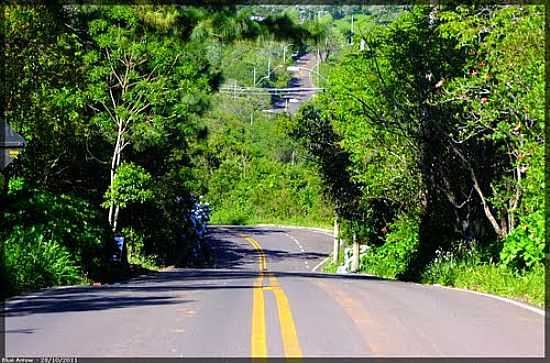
(141, 86)
(437, 122)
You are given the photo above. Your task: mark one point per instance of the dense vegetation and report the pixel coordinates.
(427, 143)
(435, 124)
(110, 100)
(254, 172)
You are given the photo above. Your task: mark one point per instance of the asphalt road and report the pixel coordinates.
(302, 78)
(262, 299)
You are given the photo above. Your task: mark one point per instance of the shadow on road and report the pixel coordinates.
(236, 268)
(18, 331)
(81, 299)
(232, 252)
(137, 292)
(231, 255)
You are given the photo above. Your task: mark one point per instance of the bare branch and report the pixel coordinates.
(113, 72)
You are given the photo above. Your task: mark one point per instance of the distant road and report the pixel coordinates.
(300, 79)
(262, 299)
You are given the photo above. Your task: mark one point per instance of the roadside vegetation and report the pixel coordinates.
(256, 176)
(427, 144)
(430, 144)
(112, 103)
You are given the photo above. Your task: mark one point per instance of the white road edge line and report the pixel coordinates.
(320, 264)
(504, 299)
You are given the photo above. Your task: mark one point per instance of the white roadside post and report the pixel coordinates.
(336, 244)
(355, 256)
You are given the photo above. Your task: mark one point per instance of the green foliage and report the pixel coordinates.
(393, 257)
(315, 132)
(117, 82)
(135, 244)
(429, 133)
(438, 115)
(70, 221)
(132, 184)
(51, 239)
(270, 192)
(255, 173)
(525, 247)
(32, 260)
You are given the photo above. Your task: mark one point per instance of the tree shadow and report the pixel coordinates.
(237, 269)
(153, 290)
(234, 255)
(83, 298)
(18, 331)
(207, 275)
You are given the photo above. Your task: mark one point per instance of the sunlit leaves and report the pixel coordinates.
(132, 184)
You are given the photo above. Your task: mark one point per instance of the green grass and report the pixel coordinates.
(468, 273)
(144, 262)
(490, 278)
(331, 266)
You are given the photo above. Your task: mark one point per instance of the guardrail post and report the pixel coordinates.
(355, 256)
(336, 245)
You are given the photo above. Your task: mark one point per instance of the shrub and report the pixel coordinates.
(393, 257)
(51, 239)
(132, 184)
(525, 247)
(33, 260)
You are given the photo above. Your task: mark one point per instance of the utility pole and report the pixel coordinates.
(351, 37)
(254, 72)
(318, 67)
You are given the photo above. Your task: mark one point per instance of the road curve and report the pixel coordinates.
(262, 299)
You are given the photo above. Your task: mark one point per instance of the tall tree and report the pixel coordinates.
(142, 86)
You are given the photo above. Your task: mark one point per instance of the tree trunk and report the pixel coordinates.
(499, 231)
(336, 245)
(355, 256)
(115, 163)
(501, 234)
(5, 188)
(515, 201)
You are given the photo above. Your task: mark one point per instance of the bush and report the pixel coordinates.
(525, 247)
(135, 241)
(393, 257)
(33, 260)
(442, 268)
(51, 239)
(71, 221)
(270, 192)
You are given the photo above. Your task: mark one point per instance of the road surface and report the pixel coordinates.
(261, 299)
(302, 78)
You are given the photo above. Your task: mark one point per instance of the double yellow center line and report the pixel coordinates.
(258, 340)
